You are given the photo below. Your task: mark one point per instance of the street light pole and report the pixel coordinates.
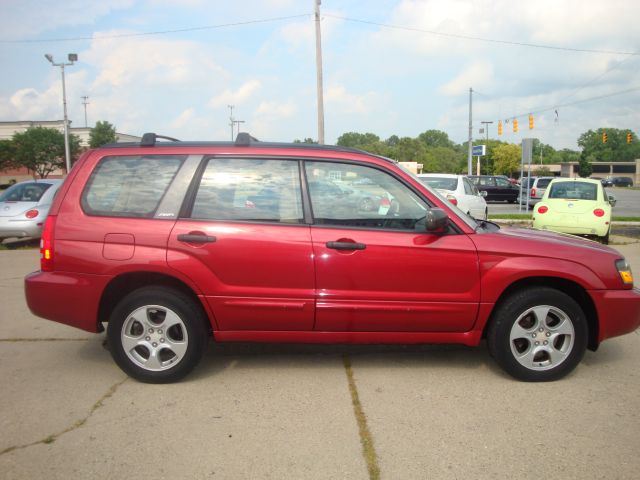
(319, 93)
(486, 128)
(72, 58)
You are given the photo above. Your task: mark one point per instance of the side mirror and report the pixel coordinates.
(612, 200)
(436, 220)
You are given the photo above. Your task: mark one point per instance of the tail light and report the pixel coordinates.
(598, 212)
(46, 244)
(385, 202)
(533, 192)
(543, 209)
(452, 199)
(31, 213)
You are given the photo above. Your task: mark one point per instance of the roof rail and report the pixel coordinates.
(244, 139)
(149, 139)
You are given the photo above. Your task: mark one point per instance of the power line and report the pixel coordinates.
(162, 32)
(479, 39)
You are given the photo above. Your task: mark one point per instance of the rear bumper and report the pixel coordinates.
(20, 228)
(618, 311)
(69, 298)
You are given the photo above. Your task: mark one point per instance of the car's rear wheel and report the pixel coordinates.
(538, 334)
(157, 334)
(605, 239)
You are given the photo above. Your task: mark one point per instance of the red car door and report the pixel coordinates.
(245, 245)
(377, 270)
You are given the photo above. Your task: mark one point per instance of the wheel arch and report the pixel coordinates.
(570, 288)
(126, 283)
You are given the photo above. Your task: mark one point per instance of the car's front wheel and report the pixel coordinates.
(538, 334)
(157, 334)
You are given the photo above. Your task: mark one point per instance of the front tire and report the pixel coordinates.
(538, 334)
(157, 334)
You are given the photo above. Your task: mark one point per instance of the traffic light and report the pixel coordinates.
(500, 127)
(605, 137)
(629, 137)
(515, 125)
(530, 122)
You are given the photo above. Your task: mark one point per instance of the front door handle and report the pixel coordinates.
(346, 245)
(196, 238)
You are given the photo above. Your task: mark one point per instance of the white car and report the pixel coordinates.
(459, 190)
(24, 208)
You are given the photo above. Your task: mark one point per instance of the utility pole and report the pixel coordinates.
(72, 57)
(231, 119)
(319, 74)
(470, 154)
(85, 103)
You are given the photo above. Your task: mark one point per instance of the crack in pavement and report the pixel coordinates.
(366, 439)
(79, 423)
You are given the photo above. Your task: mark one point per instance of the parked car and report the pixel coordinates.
(24, 207)
(606, 182)
(459, 190)
(536, 187)
(169, 259)
(498, 188)
(621, 182)
(576, 206)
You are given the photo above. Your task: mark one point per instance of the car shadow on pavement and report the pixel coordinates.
(221, 357)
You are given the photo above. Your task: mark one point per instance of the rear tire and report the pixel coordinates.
(157, 334)
(538, 334)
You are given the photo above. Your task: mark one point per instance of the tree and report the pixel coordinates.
(41, 150)
(357, 140)
(615, 150)
(7, 154)
(435, 138)
(585, 169)
(102, 134)
(507, 159)
(306, 140)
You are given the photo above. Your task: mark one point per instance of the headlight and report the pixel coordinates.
(624, 269)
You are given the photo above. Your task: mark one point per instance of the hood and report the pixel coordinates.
(554, 240)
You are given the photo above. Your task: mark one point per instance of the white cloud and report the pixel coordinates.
(26, 18)
(479, 74)
(238, 96)
(342, 101)
(275, 110)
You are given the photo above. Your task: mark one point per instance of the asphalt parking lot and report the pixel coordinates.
(287, 411)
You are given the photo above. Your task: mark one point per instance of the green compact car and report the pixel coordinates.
(575, 205)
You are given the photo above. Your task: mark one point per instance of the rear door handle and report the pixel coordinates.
(196, 238)
(346, 245)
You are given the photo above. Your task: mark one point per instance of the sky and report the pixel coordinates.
(390, 67)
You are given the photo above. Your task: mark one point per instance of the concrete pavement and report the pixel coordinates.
(285, 411)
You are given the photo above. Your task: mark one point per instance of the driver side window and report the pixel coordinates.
(348, 195)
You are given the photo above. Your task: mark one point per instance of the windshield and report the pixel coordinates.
(24, 192)
(470, 221)
(574, 190)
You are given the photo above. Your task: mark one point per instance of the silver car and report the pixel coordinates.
(25, 206)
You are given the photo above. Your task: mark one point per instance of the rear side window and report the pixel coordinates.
(544, 182)
(130, 186)
(250, 190)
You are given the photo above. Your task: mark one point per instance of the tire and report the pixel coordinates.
(157, 334)
(605, 240)
(366, 204)
(538, 334)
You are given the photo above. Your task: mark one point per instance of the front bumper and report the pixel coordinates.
(618, 311)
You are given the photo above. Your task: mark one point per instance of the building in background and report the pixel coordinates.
(8, 129)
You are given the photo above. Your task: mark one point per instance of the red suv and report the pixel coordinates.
(170, 243)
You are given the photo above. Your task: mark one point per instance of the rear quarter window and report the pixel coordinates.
(129, 186)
